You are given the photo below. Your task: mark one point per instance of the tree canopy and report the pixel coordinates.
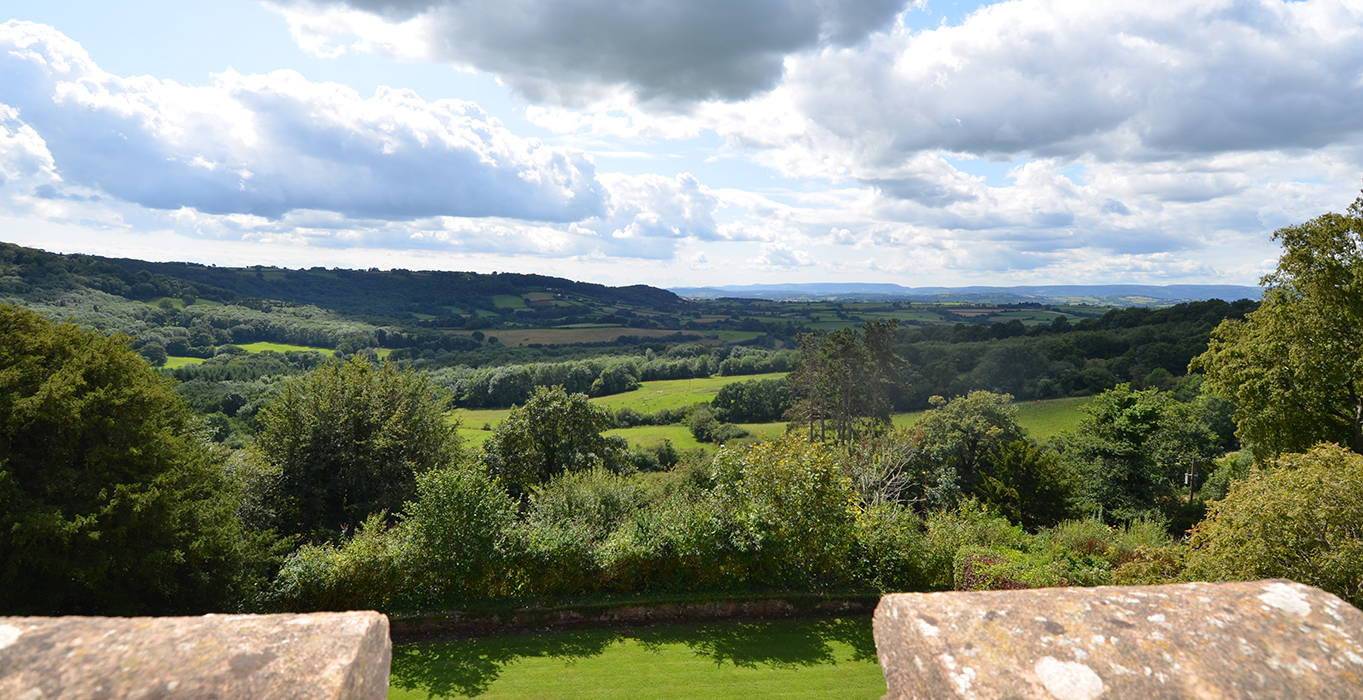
(553, 432)
(1294, 367)
(346, 441)
(111, 501)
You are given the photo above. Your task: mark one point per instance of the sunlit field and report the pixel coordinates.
(825, 659)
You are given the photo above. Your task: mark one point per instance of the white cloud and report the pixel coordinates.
(1164, 79)
(270, 144)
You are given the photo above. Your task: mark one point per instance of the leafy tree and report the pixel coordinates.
(793, 509)
(1028, 485)
(959, 440)
(111, 502)
(458, 527)
(1132, 450)
(845, 376)
(753, 401)
(346, 441)
(1294, 367)
(553, 432)
(1301, 519)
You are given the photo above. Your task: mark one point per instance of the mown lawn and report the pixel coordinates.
(832, 659)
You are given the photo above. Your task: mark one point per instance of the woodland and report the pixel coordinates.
(182, 439)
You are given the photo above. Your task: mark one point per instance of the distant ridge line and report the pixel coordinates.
(1172, 292)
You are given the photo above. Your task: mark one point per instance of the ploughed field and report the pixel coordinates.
(1042, 419)
(833, 659)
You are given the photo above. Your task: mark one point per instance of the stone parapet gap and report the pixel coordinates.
(319, 656)
(1227, 641)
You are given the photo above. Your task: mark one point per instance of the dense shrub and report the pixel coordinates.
(365, 572)
(111, 500)
(553, 432)
(968, 525)
(346, 441)
(794, 509)
(891, 549)
(459, 527)
(1302, 519)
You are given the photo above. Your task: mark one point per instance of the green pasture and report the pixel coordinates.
(509, 301)
(827, 659)
(655, 396)
(1042, 419)
(173, 362)
(280, 347)
(1047, 419)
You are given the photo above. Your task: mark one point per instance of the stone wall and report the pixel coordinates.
(1264, 639)
(321, 656)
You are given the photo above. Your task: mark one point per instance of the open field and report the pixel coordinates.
(673, 393)
(648, 398)
(1046, 419)
(568, 336)
(173, 362)
(832, 659)
(280, 347)
(1042, 419)
(508, 301)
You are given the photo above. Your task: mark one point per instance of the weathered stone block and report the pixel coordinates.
(1264, 639)
(322, 656)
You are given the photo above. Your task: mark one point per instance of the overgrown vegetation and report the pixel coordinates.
(333, 480)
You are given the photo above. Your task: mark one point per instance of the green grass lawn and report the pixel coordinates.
(1046, 419)
(1042, 419)
(832, 659)
(280, 347)
(651, 397)
(173, 362)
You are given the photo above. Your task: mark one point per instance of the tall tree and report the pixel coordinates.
(111, 500)
(346, 441)
(1132, 450)
(844, 376)
(553, 432)
(1294, 367)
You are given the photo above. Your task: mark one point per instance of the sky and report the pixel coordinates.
(673, 143)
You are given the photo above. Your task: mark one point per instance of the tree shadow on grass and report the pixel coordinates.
(774, 644)
(469, 667)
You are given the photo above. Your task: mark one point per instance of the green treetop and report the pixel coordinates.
(1294, 366)
(346, 441)
(553, 432)
(111, 501)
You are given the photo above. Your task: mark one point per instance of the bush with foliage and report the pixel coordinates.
(706, 428)
(346, 441)
(366, 572)
(1131, 451)
(552, 433)
(1301, 518)
(460, 527)
(111, 499)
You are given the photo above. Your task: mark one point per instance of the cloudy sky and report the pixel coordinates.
(679, 142)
